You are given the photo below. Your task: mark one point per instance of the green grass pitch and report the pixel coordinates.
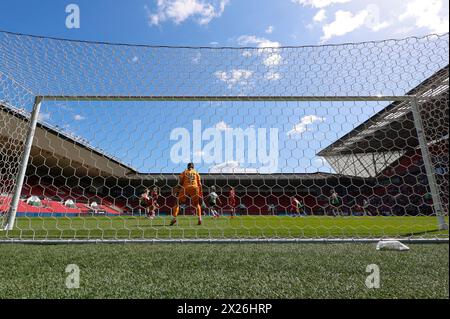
(223, 271)
(225, 227)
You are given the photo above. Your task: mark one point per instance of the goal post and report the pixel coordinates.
(429, 168)
(292, 144)
(23, 164)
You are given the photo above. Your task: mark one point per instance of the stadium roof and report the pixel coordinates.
(387, 135)
(56, 147)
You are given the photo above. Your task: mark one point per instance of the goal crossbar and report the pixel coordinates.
(131, 98)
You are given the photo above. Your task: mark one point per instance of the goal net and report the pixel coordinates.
(333, 142)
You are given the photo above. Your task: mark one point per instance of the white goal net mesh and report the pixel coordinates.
(314, 142)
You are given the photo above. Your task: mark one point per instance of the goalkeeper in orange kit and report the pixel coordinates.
(189, 186)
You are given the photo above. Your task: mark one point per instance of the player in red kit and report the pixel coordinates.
(232, 202)
(148, 200)
(153, 202)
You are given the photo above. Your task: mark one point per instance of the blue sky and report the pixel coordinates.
(202, 22)
(304, 128)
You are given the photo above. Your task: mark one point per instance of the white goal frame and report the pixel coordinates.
(411, 99)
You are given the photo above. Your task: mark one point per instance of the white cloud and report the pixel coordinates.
(214, 43)
(403, 30)
(222, 126)
(235, 76)
(319, 3)
(320, 16)
(373, 19)
(269, 29)
(43, 117)
(344, 22)
(341, 17)
(321, 165)
(78, 117)
(272, 59)
(180, 10)
(196, 58)
(320, 162)
(230, 168)
(380, 26)
(427, 14)
(304, 124)
(271, 53)
(259, 42)
(272, 76)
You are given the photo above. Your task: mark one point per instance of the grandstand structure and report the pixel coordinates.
(393, 163)
(366, 152)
